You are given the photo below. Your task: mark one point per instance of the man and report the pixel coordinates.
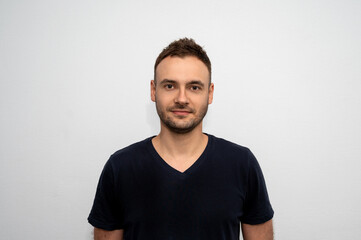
(182, 184)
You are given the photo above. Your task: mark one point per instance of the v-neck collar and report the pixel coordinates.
(164, 165)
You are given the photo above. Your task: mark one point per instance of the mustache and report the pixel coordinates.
(180, 107)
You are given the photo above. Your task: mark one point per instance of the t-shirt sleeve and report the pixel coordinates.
(106, 210)
(257, 207)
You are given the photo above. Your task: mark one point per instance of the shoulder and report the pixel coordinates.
(229, 148)
(133, 148)
(232, 153)
(128, 154)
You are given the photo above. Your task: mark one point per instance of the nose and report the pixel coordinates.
(182, 98)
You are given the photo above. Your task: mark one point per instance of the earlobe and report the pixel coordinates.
(152, 90)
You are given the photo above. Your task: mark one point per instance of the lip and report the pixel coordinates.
(180, 112)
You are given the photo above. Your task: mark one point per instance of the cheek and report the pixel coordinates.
(164, 99)
(203, 100)
(161, 103)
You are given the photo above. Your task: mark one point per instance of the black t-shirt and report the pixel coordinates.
(140, 193)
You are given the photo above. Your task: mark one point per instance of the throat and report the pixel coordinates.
(180, 155)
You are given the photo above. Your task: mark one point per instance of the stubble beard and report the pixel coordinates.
(176, 126)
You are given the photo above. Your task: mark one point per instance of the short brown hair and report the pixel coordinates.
(182, 48)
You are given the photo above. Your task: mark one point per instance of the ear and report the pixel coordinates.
(210, 93)
(152, 90)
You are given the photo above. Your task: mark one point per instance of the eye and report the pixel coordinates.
(169, 86)
(195, 88)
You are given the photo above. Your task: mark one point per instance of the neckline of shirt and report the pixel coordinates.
(164, 165)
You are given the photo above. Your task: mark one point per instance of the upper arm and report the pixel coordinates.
(106, 212)
(100, 234)
(256, 205)
(263, 231)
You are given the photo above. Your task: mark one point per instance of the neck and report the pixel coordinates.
(180, 144)
(180, 151)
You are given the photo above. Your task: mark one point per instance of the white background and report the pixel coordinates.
(75, 88)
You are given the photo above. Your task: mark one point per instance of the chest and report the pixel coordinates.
(211, 197)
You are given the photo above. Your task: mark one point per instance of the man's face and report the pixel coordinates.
(182, 93)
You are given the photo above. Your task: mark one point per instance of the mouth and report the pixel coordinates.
(180, 112)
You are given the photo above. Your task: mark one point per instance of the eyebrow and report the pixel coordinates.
(167, 81)
(197, 82)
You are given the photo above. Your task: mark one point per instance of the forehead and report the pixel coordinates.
(182, 68)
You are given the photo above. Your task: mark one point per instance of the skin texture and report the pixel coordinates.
(262, 231)
(100, 234)
(182, 93)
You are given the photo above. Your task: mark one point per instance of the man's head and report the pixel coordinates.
(182, 89)
(184, 47)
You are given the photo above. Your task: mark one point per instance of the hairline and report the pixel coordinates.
(182, 57)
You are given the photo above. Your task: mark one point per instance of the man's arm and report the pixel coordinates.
(262, 231)
(100, 234)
